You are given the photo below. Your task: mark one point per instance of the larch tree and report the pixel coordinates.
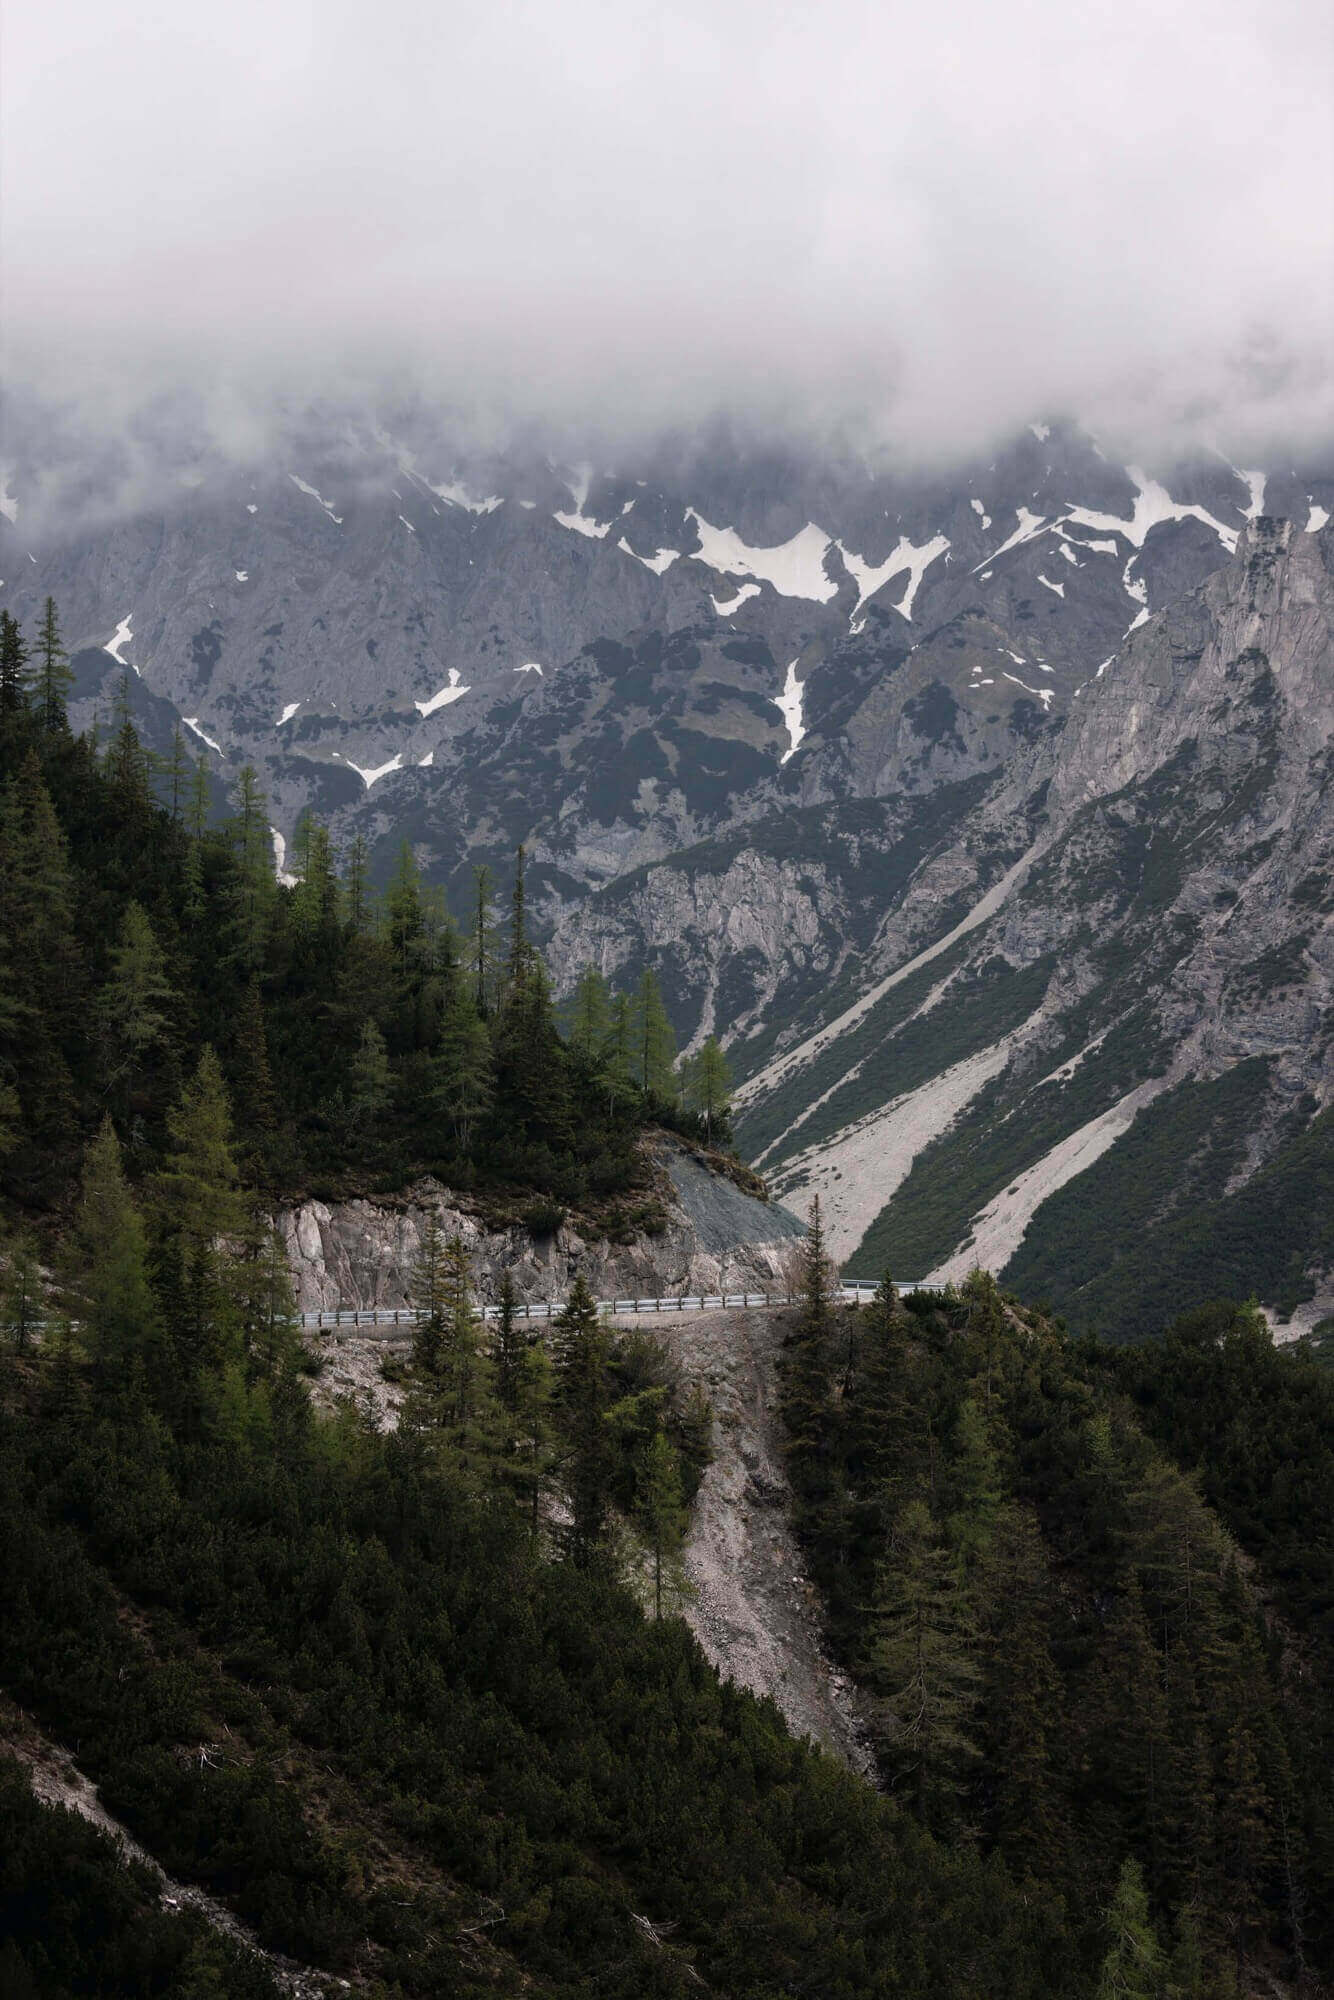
(134, 1007)
(203, 1213)
(655, 1043)
(107, 1290)
(1133, 1968)
(708, 1085)
(661, 1514)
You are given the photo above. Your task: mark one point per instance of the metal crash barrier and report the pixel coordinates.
(344, 1318)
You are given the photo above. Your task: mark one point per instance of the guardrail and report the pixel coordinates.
(854, 1290)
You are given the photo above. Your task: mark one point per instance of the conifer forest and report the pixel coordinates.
(418, 1710)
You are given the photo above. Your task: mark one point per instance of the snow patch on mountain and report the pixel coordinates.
(192, 722)
(451, 691)
(1153, 505)
(1255, 483)
(1030, 524)
(1318, 517)
(327, 505)
(373, 777)
(287, 714)
(906, 555)
(1059, 588)
(662, 559)
(795, 568)
(119, 639)
(788, 704)
(727, 608)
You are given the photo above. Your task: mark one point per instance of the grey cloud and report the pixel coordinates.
(916, 226)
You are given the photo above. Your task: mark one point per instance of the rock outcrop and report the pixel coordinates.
(715, 1236)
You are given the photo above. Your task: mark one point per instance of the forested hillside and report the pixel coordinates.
(419, 1706)
(1103, 1660)
(362, 1034)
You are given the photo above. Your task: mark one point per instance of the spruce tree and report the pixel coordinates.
(924, 1667)
(370, 1079)
(54, 678)
(14, 678)
(583, 1387)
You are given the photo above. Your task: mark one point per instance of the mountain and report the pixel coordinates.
(1099, 1046)
(778, 725)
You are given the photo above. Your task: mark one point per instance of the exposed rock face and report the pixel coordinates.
(1172, 923)
(362, 1253)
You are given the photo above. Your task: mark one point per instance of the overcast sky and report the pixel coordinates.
(945, 219)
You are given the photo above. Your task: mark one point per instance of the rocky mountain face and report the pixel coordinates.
(1103, 1077)
(981, 813)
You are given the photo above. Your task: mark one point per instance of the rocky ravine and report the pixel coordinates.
(753, 1608)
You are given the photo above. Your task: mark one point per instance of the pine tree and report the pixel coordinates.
(176, 770)
(403, 910)
(618, 1070)
(107, 1290)
(197, 824)
(127, 764)
(14, 676)
(583, 1387)
(1133, 1968)
(271, 1328)
(508, 1346)
(807, 1365)
(428, 1299)
(54, 678)
(41, 978)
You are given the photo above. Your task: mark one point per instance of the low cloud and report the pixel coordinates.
(911, 230)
